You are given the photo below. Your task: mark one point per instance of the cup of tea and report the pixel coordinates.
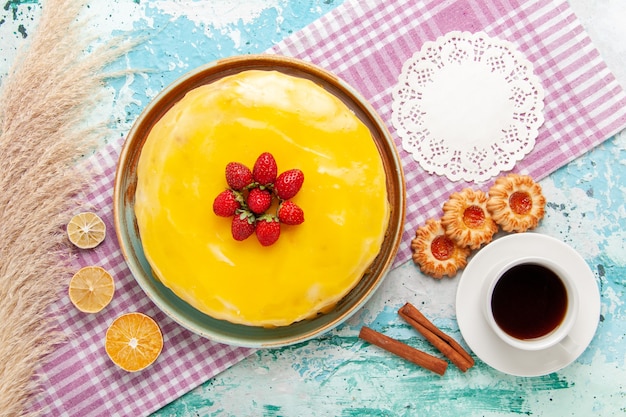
(531, 303)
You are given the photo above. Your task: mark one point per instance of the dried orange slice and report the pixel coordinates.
(133, 341)
(86, 230)
(91, 289)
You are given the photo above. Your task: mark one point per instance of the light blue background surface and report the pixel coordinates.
(338, 375)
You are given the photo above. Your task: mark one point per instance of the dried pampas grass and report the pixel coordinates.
(45, 103)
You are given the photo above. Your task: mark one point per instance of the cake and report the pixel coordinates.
(312, 265)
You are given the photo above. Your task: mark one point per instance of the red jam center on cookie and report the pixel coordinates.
(442, 248)
(520, 202)
(473, 217)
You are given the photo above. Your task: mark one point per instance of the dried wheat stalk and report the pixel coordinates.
(45, 102)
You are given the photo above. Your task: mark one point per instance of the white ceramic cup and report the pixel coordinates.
(559, 335)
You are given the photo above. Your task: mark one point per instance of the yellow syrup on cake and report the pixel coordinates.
(344, 197)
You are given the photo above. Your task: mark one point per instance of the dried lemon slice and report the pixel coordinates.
(91, 289)
(133, 341)
(86, 230)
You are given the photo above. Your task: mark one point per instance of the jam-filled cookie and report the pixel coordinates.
(435, 253)
(516, 203)
(466, 219)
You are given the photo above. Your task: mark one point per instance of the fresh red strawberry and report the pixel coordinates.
(290, 213)
(238, 176)
(259, 200)
(226, 203)
(243, 225)
(267, 230)
(265, 169)
(288, 184)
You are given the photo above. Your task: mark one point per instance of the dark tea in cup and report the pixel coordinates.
(529, 301)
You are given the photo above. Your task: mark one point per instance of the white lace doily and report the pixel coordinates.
(468, 106)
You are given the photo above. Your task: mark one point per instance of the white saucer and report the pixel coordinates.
(481, 338)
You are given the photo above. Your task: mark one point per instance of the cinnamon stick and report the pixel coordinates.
(444, 343)
(403, 350)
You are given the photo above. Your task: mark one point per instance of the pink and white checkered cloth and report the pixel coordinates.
(364, 43)
(79, 379)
